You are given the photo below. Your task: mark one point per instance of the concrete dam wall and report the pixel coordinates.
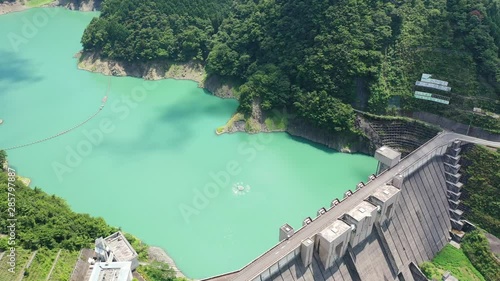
(416, 228)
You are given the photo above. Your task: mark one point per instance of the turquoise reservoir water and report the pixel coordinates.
(150, 162)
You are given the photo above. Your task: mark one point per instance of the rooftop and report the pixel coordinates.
(362, 210)
(433, 86)
(385, 192)
(428, 78)
(337, 228)
(120, 247)
(307, 242)
(388, 152)
(114, 271)
(286, 227)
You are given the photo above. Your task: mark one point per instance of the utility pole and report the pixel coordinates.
(470, 122)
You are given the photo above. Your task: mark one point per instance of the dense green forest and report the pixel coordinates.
(42, 220)
(481, 195)
(319, 58)
(133, 30)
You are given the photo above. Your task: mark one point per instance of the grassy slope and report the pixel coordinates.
(41, 265)
(22, 257)
(64, 267)
(38, 3)
(452, 260)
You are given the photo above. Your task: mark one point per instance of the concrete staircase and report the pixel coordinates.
(454, 187)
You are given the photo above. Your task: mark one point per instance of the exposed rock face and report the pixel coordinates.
(364, 125)
(9, 7)
(156, 70)
(344, 143)
(79, 5)
(218, 87)
(158, 254)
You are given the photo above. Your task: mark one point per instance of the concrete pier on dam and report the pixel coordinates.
(382, 229)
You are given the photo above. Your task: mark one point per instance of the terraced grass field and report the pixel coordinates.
(22, 257)
(64, 265)
(41, 265)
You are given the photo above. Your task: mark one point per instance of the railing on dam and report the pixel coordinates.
(437, 151)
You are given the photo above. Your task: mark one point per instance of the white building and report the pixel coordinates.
(116, 248)
(114, 271)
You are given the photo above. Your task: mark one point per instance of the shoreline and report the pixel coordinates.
(156, 70)
(258, 122)
(154, 253)
(159, 254)
(12, 7)
(21, 5)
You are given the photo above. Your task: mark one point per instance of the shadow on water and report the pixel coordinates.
(191, 110)
(151, 137)
(321, 146)
(174, 128)
(313, 144)
(14, 69)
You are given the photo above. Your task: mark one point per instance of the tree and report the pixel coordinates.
(159, 271)
(476, 248)
(325, 112)
(3, 158)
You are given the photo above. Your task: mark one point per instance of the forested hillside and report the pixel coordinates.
(46, 221)
(134, 30)
(318, 58)
(481, 195)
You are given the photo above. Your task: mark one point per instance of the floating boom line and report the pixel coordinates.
(104, 100)
(54, 136)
